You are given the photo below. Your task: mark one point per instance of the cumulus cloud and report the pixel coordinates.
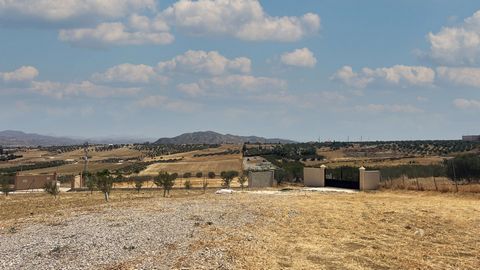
(394, 108)
(457, 45)
(466, 104)
(221, 85)
(212, 63)
(243, 19)
(61, 90)
(460, 76)
(24, 73)
(68, 12)
(398, 75)
(165, 103)
(300, 58)
(113, 34)
(130, 73)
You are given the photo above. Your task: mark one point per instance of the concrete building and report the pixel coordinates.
(471, 138)
(367, 180)
(30, 181)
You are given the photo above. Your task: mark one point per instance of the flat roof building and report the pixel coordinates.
(471, 138)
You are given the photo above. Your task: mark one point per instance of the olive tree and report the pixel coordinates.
(227, 177)
(5, 186)
(242, 180)
(104, 183)
(165, 180)
(52, 188)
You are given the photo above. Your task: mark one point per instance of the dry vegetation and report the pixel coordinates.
(298, 230)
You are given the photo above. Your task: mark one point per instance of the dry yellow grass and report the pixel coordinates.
(381, 230)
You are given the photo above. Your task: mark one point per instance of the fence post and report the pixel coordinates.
(362, 177)
(322, 175)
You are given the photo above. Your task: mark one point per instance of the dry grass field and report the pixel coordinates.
(286, 230)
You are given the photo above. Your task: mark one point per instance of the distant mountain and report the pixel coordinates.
(210, 137)
(18, 138)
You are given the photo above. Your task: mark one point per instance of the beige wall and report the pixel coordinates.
(314, 177)
(369, 180)
(24, 182)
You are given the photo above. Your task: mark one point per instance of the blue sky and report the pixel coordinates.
(304, 70)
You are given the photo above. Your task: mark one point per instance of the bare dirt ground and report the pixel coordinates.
(191, 230)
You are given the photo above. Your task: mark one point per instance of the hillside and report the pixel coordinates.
(210, 137)
(19, 138)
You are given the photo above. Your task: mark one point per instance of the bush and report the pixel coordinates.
(52, 188)
(228, 177)
(199, 175)
(5, 186)
(138, 183)
(187, 175)
(464, 168)
(165, 180)
(188, 184)
(104, 183)
(211, 175)
(242, 180)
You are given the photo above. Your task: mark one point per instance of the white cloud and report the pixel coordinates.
(191, 89)
(212, 63)
(24, 73)
(466, 104)
(69, 11)
(85, 88)
(300, 58)
(460, 76)
(130, 73)
(243, 19)
(113, 34)
(398, 75)
(457, 45)
(244, 82)
(394, 108)
(165, 103)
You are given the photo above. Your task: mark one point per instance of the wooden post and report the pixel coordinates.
(435, 183)
(454, 176)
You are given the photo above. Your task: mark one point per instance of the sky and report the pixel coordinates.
(303, 70)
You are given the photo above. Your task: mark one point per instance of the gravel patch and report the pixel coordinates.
(160, 234)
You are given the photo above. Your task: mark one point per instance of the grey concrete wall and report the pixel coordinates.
(314, 177)
(261, 179)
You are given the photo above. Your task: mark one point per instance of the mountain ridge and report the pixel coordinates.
(211, 137)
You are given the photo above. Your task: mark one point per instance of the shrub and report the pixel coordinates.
(52, 188)
(187, 175)
(138, 184)
(5, 186)
(165, 180)
(188, 184)
(199, 175)
(211, 175)
(228, 177)
(104, 183)
(242, 180)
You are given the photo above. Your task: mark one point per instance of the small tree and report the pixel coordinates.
(51, 188)
(90, 182)
(104, 183)
(228, 177)
(280, 176)
(165, 180)
(187, 175)
(242, 180)
(5, 186)
(138, 184)
(205, 185)
(199, 175)
(211, 175)
(188, 184)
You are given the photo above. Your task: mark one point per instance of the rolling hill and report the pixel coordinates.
(211, 137)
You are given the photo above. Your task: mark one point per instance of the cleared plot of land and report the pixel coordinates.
(216, 164)
(297, 230)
